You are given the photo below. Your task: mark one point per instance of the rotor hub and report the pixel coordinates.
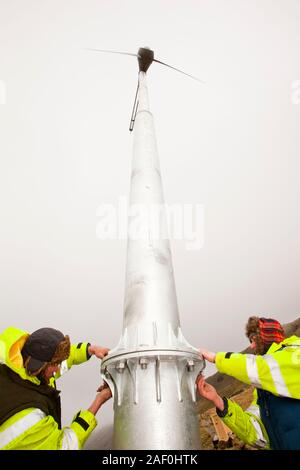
(145, 58)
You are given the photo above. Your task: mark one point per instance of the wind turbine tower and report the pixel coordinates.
(153, 369)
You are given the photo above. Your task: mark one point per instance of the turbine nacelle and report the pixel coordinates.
(145, 58)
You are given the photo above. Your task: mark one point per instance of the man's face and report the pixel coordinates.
(253, 344)
(50, 371)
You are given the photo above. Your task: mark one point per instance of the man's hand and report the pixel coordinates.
(98, 351)
(208, 355)
(105, 392)
(209, 392)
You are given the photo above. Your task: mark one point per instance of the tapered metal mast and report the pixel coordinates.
(152, 371)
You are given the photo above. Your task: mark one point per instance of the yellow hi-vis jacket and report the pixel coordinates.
(277, 371)
(31, 428)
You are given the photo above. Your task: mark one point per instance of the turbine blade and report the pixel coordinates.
(113, 52)
(174, 68)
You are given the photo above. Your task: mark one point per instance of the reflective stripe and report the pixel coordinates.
(20, 426)
(277, 376)
(260, 441)
(254, 410)
(64, 367)
(70, 441)
(284, 346)
(2, 352)
(252, 370)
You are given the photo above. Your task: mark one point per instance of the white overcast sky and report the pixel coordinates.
(231, 145)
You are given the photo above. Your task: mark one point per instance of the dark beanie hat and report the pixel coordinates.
(45, 346)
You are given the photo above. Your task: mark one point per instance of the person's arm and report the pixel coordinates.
(277, 371)
(262, 371)
(85, 422)
(246, 426)
(210, 393)
(79, 353)
(101, 397)
(45, 434)
(242, 367)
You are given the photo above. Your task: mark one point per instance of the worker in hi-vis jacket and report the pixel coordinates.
(30, 413)
(273, 419)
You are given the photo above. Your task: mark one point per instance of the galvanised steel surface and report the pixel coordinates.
(153, 369)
